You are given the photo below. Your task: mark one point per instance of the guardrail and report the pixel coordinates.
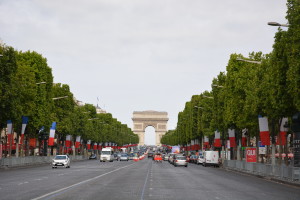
(282, 172)
(32, 160)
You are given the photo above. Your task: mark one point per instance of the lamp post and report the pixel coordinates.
(277, 24)
(55, 98)
(249, 61)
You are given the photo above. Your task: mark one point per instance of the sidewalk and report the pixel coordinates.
(281, 174)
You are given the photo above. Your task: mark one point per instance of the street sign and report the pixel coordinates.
(250, 154)
(262, 150)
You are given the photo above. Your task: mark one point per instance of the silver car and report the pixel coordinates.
(180, 161)
(61, 160)
(124, 156)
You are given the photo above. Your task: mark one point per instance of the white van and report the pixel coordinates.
(211, 158)
(107, 154)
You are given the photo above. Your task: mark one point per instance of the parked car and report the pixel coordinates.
(93, 157)
(61, 160)
(180, 161)
(200, 160)
(166, 157)
(124, 156)
(171, 157)
(193, 158)
(211, 158)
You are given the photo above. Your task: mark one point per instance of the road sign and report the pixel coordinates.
(250, 154)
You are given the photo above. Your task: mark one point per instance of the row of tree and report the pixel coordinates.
(27, 89)
(269, 87)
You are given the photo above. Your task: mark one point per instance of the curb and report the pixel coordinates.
(6, 167)
(277, 180)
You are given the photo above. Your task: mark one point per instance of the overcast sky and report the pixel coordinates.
(138, 55)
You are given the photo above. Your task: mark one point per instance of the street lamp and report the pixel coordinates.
(219, 86)
(249, 61)
(198, 107)
(55, 98)
(207, 97)
(40, 83)
(277, 24)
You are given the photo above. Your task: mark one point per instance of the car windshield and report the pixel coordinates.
(105, 152)
(181, 158)
(123, 155)
(60, 157)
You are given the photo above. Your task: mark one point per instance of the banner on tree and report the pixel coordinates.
(52, 134)
(264, 130)
(24, 124)
(77, 143)
(244, 138)
(217, 142)
(281, 139)
(68, 141)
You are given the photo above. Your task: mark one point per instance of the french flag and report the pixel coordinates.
(89, 144)
(231, 133)
(77, 143)
(206, 141)
(68, 141)
(95, 146)
(24, 124)
(281, 139)
(244, 138)
(52, 133)
(217, 139)
(264, 130)
(9, 132)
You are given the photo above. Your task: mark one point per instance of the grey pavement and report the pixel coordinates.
(145, 179)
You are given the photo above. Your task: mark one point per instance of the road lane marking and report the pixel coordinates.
(52, 194)
(142, 197)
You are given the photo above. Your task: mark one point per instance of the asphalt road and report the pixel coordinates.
(137, 180)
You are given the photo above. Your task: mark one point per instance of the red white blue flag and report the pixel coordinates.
(52, 134)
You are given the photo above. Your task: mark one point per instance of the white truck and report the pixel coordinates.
(211, 158)
(107, 154)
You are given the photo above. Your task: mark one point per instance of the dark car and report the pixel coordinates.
(93, 157)
(150, 154)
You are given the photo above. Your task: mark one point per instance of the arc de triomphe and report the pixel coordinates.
(143, 119)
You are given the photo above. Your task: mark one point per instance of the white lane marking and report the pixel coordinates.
(143, 192)
(76, 184)
(22, 183)
(38, 179)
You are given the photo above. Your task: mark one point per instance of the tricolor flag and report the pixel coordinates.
(68, 141)
(24, 124)
(77, 143)
(9, 132)
(231, 133)
(95, 146)
(217, 139)
(89, 144)
(244, 138)
(281, 139)
(264, 130)
(52, 133)
(206, 141)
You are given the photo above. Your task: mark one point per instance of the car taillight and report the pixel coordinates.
(176, 160)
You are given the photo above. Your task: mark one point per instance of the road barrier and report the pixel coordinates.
(32, 160)
(281, 172)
